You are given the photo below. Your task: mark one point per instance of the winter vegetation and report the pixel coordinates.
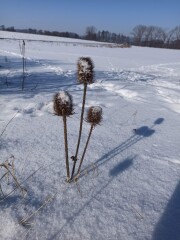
(89, 138)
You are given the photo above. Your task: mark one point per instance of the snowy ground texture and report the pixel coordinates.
(130, 189)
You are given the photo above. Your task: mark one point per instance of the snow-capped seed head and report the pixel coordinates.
(63, 104)
(85, 70)
(94, 115)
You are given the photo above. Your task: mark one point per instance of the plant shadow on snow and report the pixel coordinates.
(139, 134)
(168, 226)
(37, 83)
(45, 77)
(6, 203)
(19, 206)
(8, 143)
(122, 167)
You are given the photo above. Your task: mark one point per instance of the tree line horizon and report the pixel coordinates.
(141, 35)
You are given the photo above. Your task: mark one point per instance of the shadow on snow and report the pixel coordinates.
(124, 165)
(139, 134)
(168, 226)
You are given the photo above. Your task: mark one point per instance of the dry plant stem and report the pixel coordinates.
(139, 215)
(80, 130)
(0, 183)
(23, 80)
(23, 64)
(66, 146)
(15, 180)
(24, 220)
(82, 158)
(9, 194)
(9, 122)
(23, 60)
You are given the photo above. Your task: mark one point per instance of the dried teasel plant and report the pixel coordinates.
(94, 117)
(85, 74)
(85, 70)
(63, 107)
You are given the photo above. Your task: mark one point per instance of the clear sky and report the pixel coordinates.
(119, 16)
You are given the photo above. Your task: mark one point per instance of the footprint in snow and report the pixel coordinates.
(35, 110)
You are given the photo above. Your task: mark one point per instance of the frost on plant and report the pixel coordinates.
(85, 70)
(94, 115)
(63, 104)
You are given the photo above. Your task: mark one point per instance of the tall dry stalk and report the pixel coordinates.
(85, 76)
(22, 50)
(66, 145)
(63, 106)
(94, 117)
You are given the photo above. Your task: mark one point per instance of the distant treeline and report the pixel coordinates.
(41, 32)
(153, 36)
(141, 35)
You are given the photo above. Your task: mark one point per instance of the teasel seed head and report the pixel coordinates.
(94, 115)
(85, 70)
(63, 104)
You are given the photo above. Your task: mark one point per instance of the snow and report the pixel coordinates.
(85, 66)
(130, 182)
(96, 109)
(64, 97)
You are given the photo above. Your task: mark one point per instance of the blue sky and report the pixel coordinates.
(119, 16)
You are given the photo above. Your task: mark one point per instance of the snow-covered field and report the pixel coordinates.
(131, 186)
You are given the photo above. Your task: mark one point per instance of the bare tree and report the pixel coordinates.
(138, 34)
(158, 37)
(148, 35)
(91, 33)
(177, 32)
(176, 37)
(151, 36)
